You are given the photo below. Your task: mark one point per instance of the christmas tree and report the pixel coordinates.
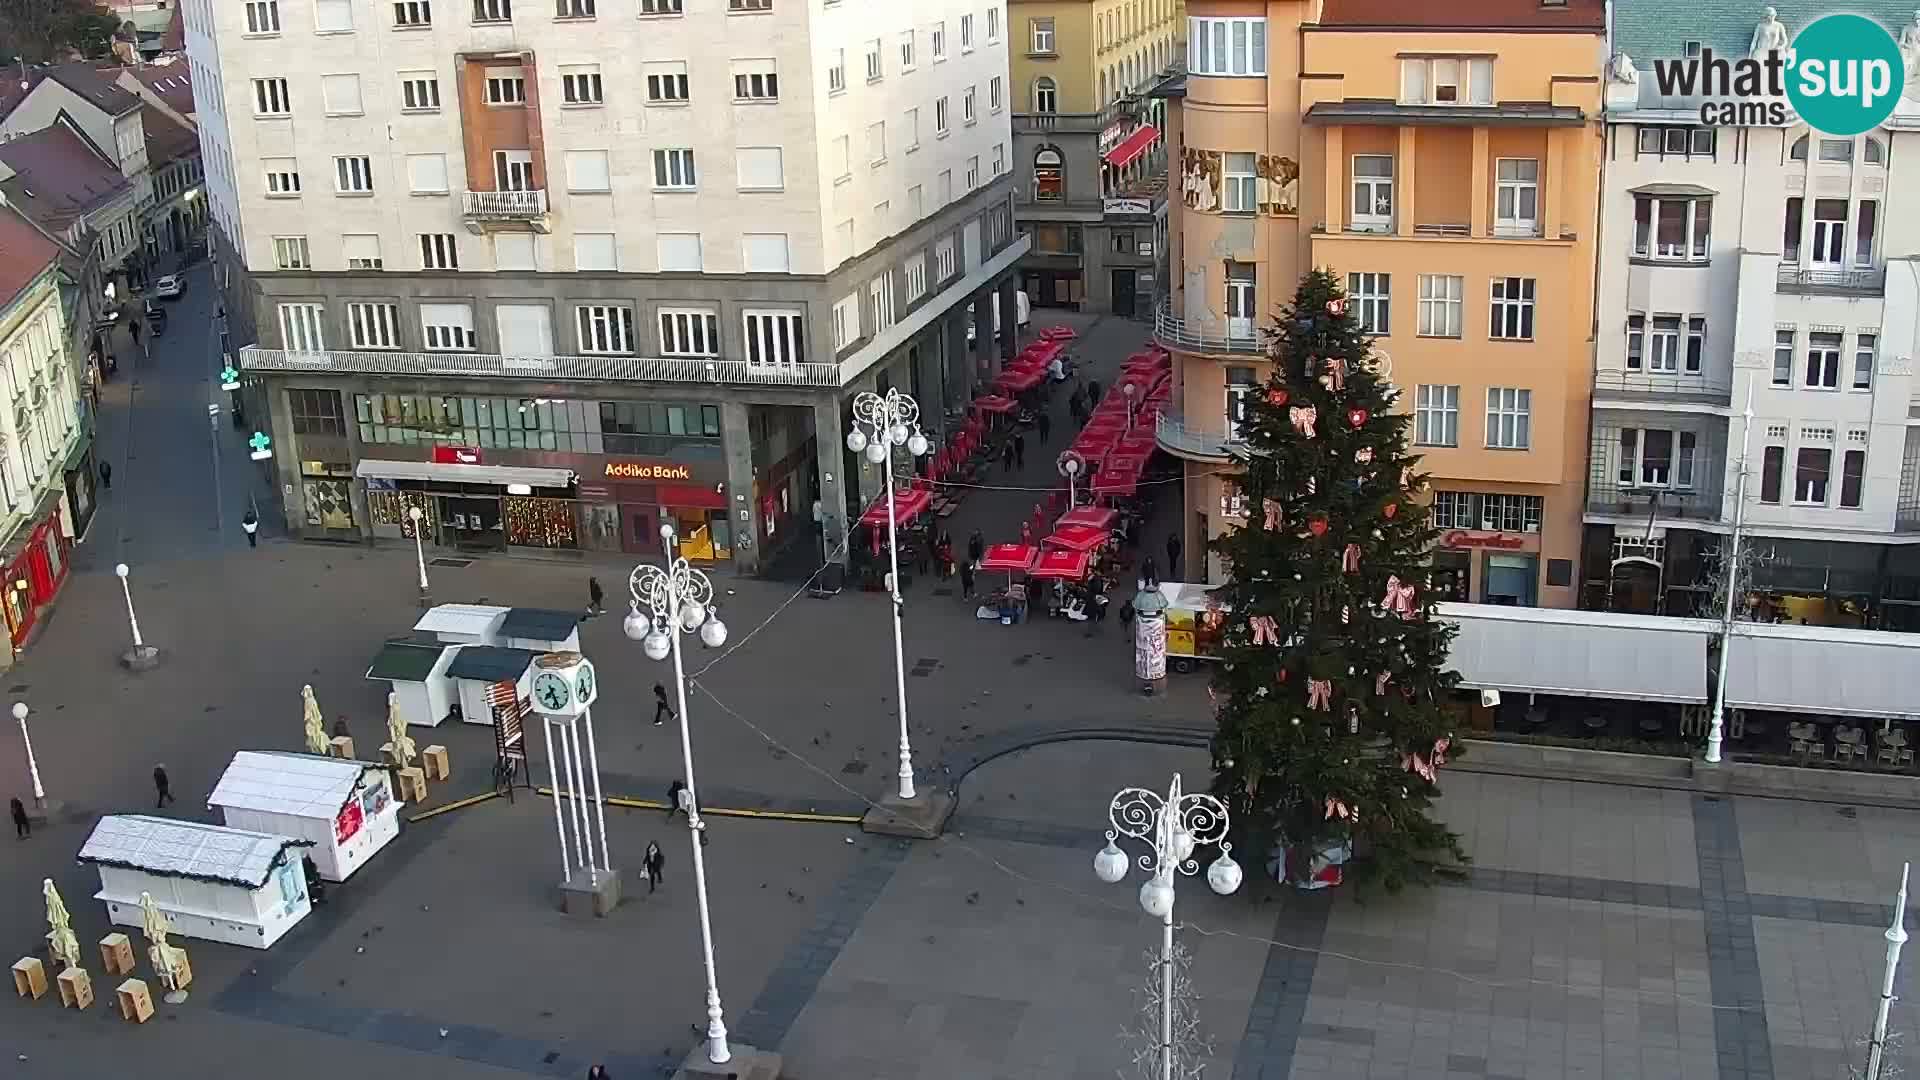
(1332, 691)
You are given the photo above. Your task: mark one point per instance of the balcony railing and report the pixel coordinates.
(1906, 519)
(504, 205)
(1695, 504)
(1642, 386)
(1034, 123)
(581, 368)
(1195, 439)
(1209, 337)
(1799, 279)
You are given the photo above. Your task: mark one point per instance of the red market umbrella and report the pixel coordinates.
(1116, 481)
(1092, 517)
(994, 403)
(1062, 564)
(1008, 558)
(1058, 333)
(906, 505)
(1019, 380)
(1042, 351)
(1080, 538)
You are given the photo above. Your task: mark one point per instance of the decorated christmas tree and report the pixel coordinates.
(1332, 691)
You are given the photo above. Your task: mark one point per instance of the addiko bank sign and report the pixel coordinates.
(647, 470)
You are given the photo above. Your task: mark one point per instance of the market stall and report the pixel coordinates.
(416, 669)
(463, 624)
(1077, 538)
(1007, 604)
(486, 674)
(542, 630)
(1092, 517)
(1196, 623)
(344, 809)
(212, 882)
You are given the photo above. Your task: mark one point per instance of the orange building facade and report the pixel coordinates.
(1449, 174)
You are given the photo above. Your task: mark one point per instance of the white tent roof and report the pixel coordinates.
(477, 619)
(1824, 670)
(297, 785)
(186, 849)
(1580, 653)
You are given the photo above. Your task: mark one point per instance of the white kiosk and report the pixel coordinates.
(490, 679)
(544, 630)
(463, 624)
(344, 809)
(416, 669)
(212, 882)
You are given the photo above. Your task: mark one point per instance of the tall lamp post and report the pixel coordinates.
(890, 421)
(33, 766)
(419, 550)
(1716, 723)
(1129, 389)
(142, 656)
(677, 599)
(1174, 824)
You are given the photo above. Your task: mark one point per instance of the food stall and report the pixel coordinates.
(1007, 604)
(478, 671)
(344, 809)
(416, 669)
(1196, 624)
(212, 882)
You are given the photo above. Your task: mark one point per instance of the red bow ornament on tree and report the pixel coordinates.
(1303, 417)
(1320, 694)
(1440, 748)
(1380, 684)
(1274, 513)
(1265, 630)
(1419, 766)
(1336, 376)
(1337, 307)
(1277, 397)
(1338, 809)
(1399, 598)
(1350, 559)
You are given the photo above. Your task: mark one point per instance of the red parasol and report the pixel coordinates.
(1058, 333)
(1019, 380)
(1092, 517)
(1077, 537)
(1008, 558)
(994, 403)
(906, 505)
(1061, 563)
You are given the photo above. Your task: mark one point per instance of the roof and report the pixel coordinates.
(460, 619)
(187, 849)
(58, 176)
(1647, 29)
(174, 38)
(490, 663)
(1574, 15)
(280, 782)
(170, 80)
(539, 624)
(405, 661)
(167, 138)
(14, 91)
(97, 88)
(25, 254)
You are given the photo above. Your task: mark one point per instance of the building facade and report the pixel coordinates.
(667, 239)
(1765, 267)
(1090, 163)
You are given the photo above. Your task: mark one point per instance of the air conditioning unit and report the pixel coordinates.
(1490, 699)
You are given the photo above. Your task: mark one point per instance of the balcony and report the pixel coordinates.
(544, 368)
(494, 209)
(1638, 387)
(1866, 281)
(1035, 123)
(1210, 336)
(1656, 503)
(1203, 440)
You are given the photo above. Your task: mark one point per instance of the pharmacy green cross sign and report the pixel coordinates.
(229, 378)
(260, 442)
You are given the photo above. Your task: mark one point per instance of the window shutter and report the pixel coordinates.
(525, 329)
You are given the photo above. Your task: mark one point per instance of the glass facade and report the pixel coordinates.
(637, 428)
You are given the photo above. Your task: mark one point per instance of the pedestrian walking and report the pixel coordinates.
(1020, 449)
(1149, 573)
(163, 789)
(966, 580)
(1045, 424)
(674, 791)
(106, 476)
(976, 546)
(662, 712)
(340, 727)
(1006, 456)
(1093, 393)
(22, 825)
(599, 1072)
(652, 862)
(595, 597)
(1173, 555)
(1026, 533)
(943, 555)
(250, 524)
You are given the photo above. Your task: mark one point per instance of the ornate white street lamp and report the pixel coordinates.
(1174, 824)
(1070, 465)
(142, 656)
(890, 421)
(419, 552)
(1130, 390)
(667, 602)
(33, 766)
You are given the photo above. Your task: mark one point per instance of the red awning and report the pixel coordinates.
(1061, 563)
(1007, 558)
(906, 506)
(1019, 380)
(1133, 146)
(1076, 537)
(993, 403)
(1093, 517)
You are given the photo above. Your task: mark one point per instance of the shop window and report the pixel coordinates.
(329, 503)
(539, 523)
(1049, 175)
(316, 412)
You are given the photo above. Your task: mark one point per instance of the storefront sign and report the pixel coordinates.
(647, 470)
(1126, 206)
(455, 455)
(1502, 541)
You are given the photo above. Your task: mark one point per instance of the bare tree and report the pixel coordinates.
(1191, 1047)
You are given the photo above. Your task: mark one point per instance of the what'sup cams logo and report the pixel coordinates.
(1842, 74)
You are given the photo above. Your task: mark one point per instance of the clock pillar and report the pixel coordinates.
(564, 690)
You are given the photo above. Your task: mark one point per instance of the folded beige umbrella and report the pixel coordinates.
(316, 723)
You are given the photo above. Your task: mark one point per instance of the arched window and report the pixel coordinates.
(1049, 175)
(1799, 151)
(1046, 95)
(1874, 152)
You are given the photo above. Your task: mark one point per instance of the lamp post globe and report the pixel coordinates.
(877, 452)
(656, 645)
(856, 440)
(1223, 876)
(1110, 864)
(692, 614)
(898, 433)
(414, 513)
(121, 570)
(713, 633)
(1182, 845)
(636, 626)
(20, 711)
(1156, 896)
(917, 444)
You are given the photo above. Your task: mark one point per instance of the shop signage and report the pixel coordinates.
(1502, 541)
(455, 455)
(1126, 206)
(647, 470)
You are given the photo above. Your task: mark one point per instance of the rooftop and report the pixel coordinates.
(186, 849)
(1647, 29)
(539, 624)
(170, 80)
(1527, 15)
(96, 87)
(461, 619)
(58, 176)
(296, 785)
(25, 254)
(405, 661)
(490, 663)
(167, 139)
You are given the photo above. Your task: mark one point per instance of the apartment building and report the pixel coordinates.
(556, 275)
(1770, 267)
(1090, 157)
(1446, 163)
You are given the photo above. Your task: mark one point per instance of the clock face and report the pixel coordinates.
(551, 691)
(583, 682)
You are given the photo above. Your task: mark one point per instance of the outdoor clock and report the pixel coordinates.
(585, 689)
(551, 691)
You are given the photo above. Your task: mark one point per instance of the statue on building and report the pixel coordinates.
(1770, 36)
(1621, 70)
(1910, 45)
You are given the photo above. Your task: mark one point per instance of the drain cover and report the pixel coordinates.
(450, 562)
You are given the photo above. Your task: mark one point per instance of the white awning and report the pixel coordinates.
(464, 474)
(1826, 670)
(1580, 653)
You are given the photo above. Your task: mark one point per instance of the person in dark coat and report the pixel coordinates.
(673, 797)
(1173, 555)
(22, 825)
(1093, 393)
(976, 546)
(1006, 456)
(106, 476)
(163, 789)
(599, 1072)
(652, 863)
(966, 580)
(595, 598)
(1045, 424)
(1149, 573)
(250, 524)
(662, 712)
(1020, 450)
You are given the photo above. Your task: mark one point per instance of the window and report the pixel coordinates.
(1040, 37)
(362, 251)
(427, 174)
(1853, 476)
(411, 13)
(1875, 153)
(513, 170)
(755, 80)
(604, 328)
(765, 253)
(1654, 457)
(332, 16)
(439, 251)
(1436, 415)
(573, 9)
(595, 251)
(906, 50)
(1237, 193)
(993, 24)
(679, 252)
(1799, 150)
(1683, 142)
(587, 171)
(353, 175)
(270, 98)
(689, 332)
(374, 325)
(877, 143)
(916, 275)
(314, 412)
(973, 172)
(283, 177)
(1241, 384)
(1671, 227)
(876, 68)
(774, 338)
(486, 11)
(1636, 341)
(1227, 47)
(968, 112)
(1663, 354)
(1696, 344)
(995, 94)
(1508, 418)
(447, 327)
(999, 163)
(1783, 344)
(1046, 95)
(1811, 468)
(837, 72)
(1369, 295)
(1372, 193)
(1512, 309)
(340, 95)
(419, 91)
(1441, 305)
(749, 5)
(580, 84)
(1864, 351)
(300, 327)
(943, 259)
(1829, 232)
(263, 16)
(673, 169)
(666, 82)
(1773, 464)
(1473, 510)
(1790, 242)
(940, 118)
(1823, 361)
(506, 86)
(910, 120)
(966, 33)
(1866, 219)
(843, 158)
(759, 168)
(1516, 197)
(1446, 80)
(290, 253)
(1836, 150)
(661, 7)
(880, 301)
(939, 38)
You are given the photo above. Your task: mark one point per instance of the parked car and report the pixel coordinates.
(156, 318)
(169, 287)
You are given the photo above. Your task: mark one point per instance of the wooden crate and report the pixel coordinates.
(434, 760)
(116, 954)
(182, 969)
(413, 786)
(135, 1003)
(76, 988)
(386, 754)
(342, 746)
(29, 977)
